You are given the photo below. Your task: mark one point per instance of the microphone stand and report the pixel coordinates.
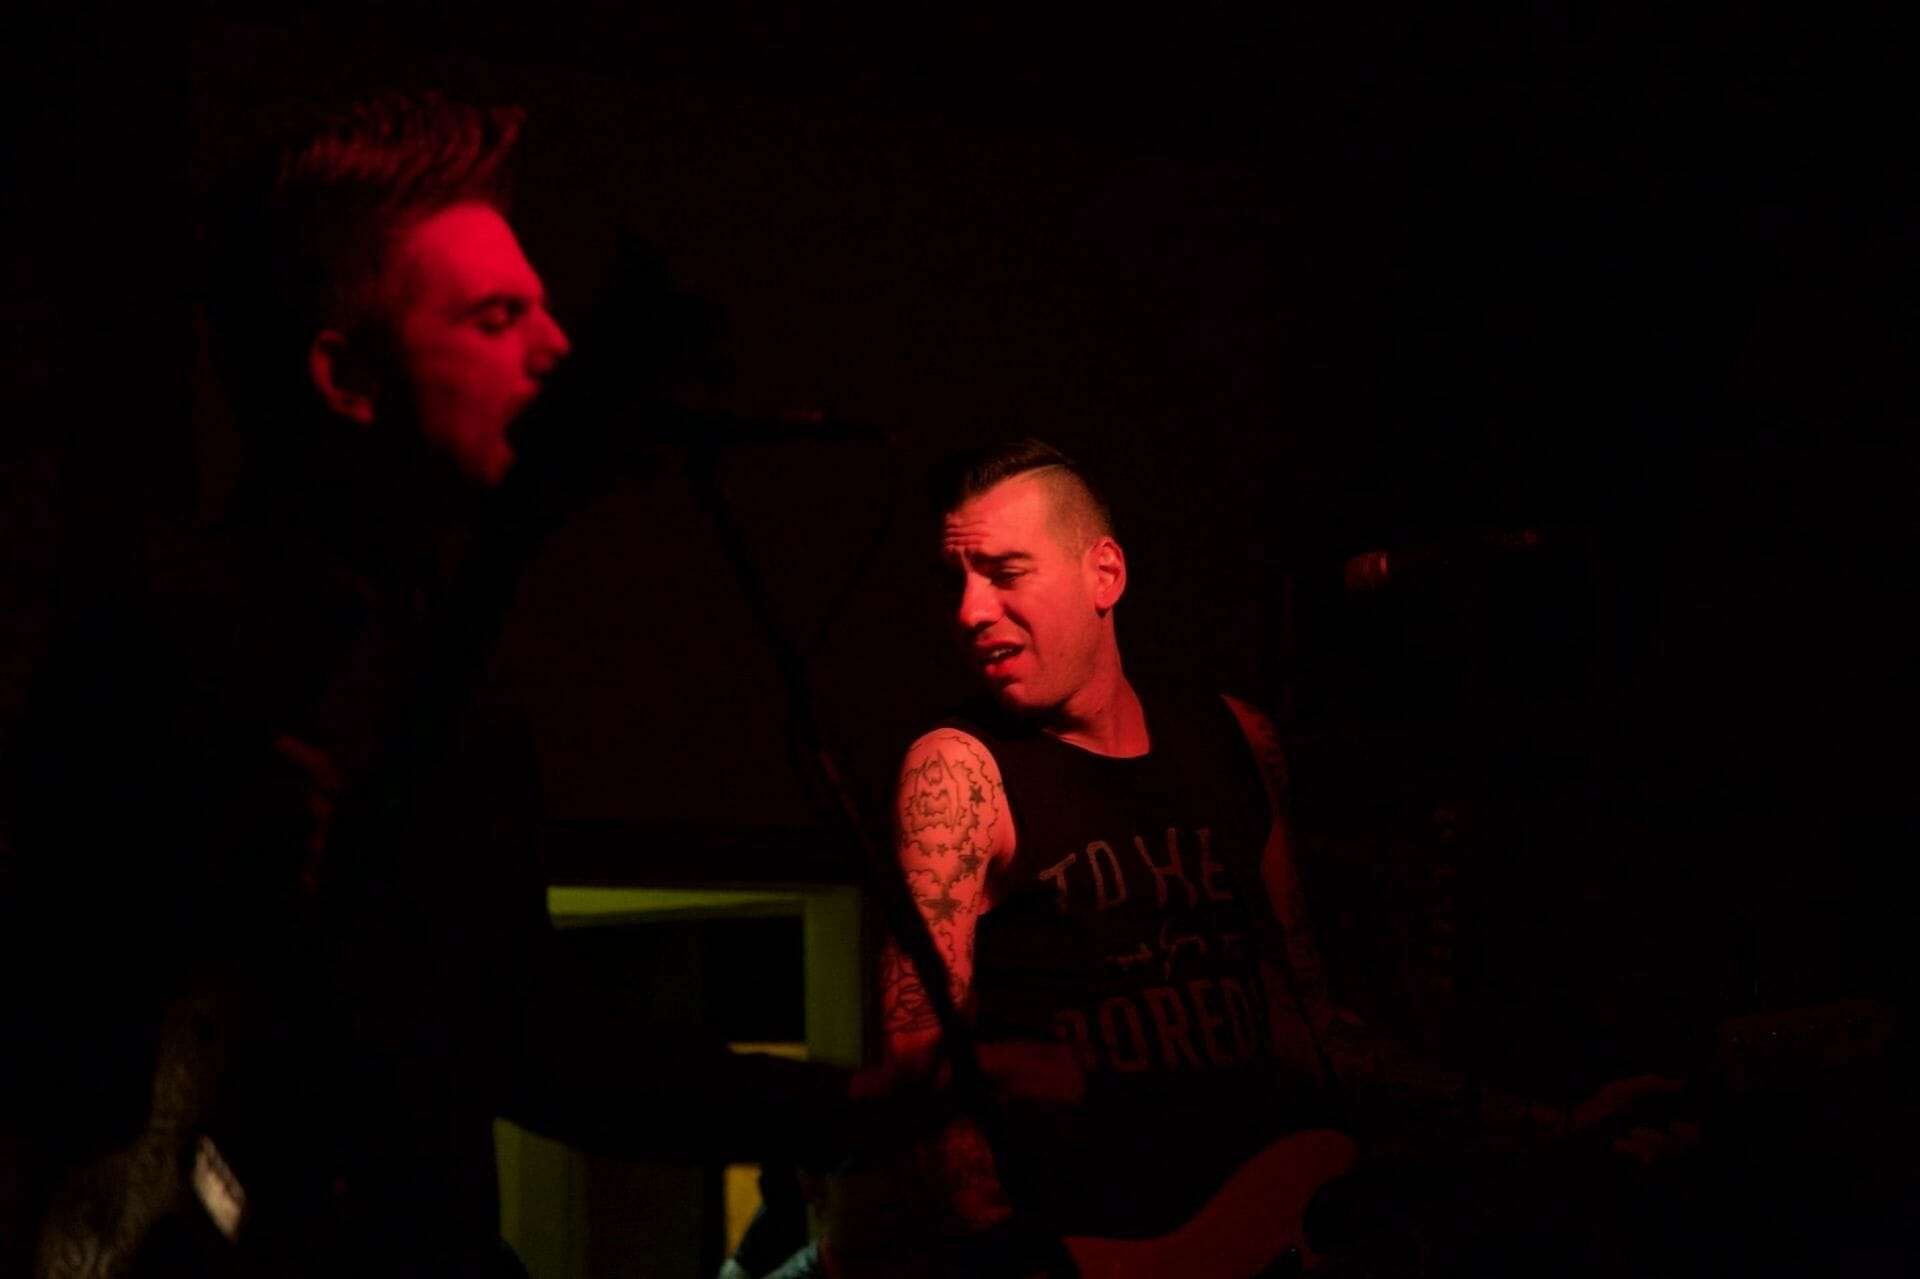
(817, 764)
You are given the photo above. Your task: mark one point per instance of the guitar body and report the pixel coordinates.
(1249, 1224)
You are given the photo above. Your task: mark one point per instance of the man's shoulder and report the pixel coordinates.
(948, 746)
(951, 784)
(1253, 719)
(1261, 734)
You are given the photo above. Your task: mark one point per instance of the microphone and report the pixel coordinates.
(1372, 571)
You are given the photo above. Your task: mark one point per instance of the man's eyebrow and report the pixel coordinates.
(1002, 560)
(507, 297)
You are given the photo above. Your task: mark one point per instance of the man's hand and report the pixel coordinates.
(1632, 1103)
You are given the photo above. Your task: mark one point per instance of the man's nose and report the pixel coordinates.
(550, 345)
(979, 607)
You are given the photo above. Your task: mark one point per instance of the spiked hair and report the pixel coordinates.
(313, 224)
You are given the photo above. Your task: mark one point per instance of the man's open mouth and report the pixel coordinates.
(994, 657)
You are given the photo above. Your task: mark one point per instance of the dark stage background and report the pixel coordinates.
(1300, 281)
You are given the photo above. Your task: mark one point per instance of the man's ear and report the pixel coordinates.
(342, 376)
(1109, 573)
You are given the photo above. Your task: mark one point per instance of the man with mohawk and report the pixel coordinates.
(1108, 866)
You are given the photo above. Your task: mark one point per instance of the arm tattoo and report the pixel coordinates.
(903, 1000)
(1282, 878)
(1361, 1056)
(948, 802)
(948, 810)
(1303, 944)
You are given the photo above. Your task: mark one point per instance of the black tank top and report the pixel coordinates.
(1129, 925)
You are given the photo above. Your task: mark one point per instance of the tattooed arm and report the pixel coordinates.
(1361, 1056)
(1282, 882)
(952, 828)
(1366, 1059)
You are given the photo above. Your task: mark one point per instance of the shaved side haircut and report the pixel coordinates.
(1079, 511)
